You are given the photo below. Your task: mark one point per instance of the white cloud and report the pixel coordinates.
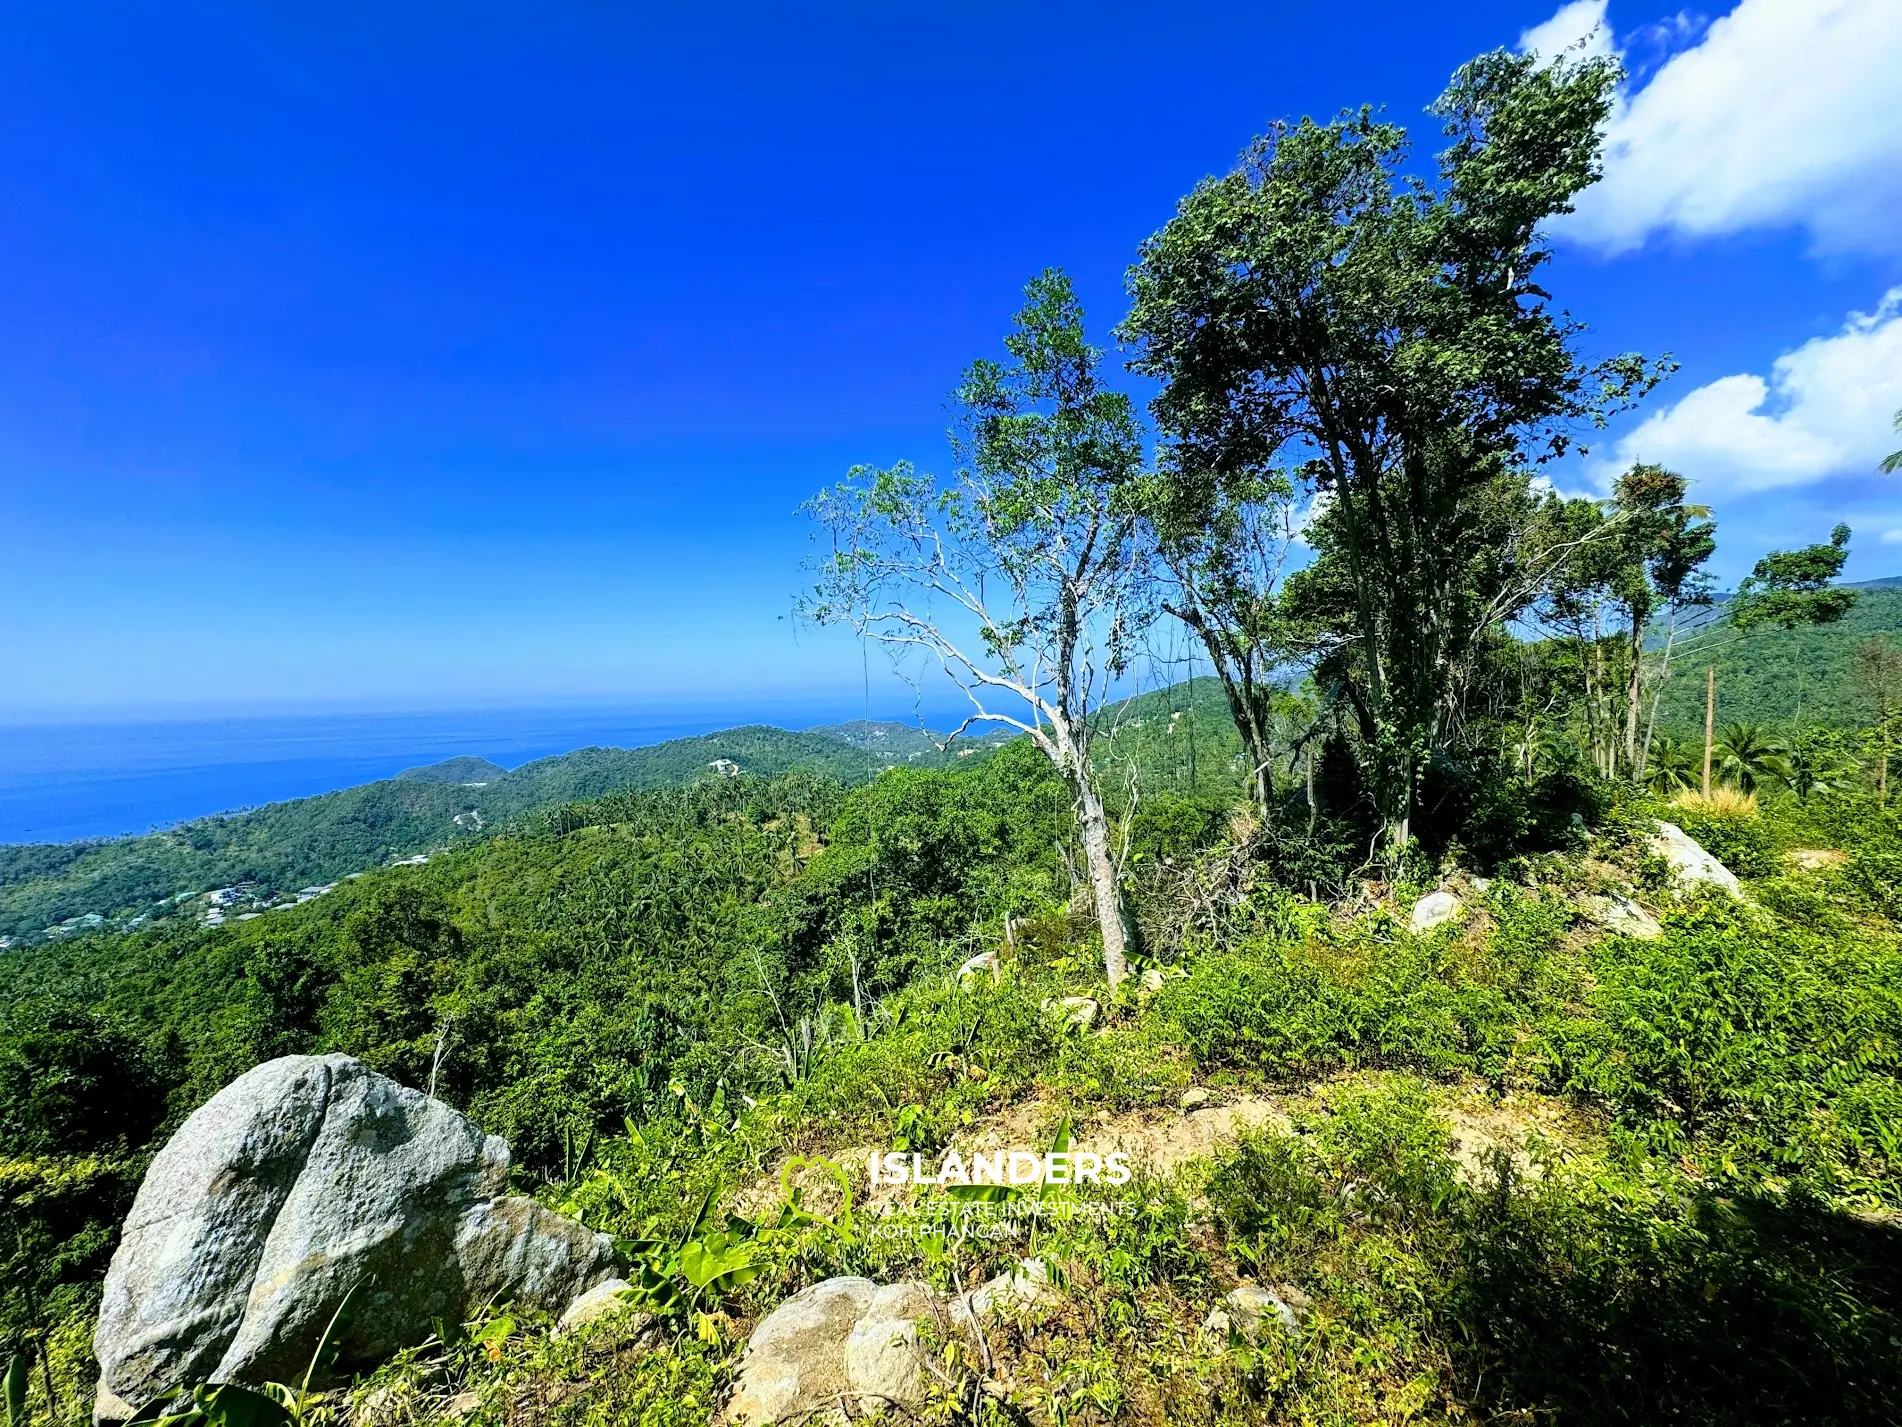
(1825, 410)
(1891, 537)
(1788, 113)
(1580, 21)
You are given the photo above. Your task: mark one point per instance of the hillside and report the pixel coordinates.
(282, 848)
(1771, 676)
(1515, 1168)
(466, 769)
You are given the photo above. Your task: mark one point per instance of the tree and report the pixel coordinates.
(1747, 756)
(1022, 578)
(1382, 342)
(1223, 546)
(1665, 545)
(1879, 670)
(1818, 761)
(1672, 766)
(72, 1083)
(1788, 588)
(1892, 462)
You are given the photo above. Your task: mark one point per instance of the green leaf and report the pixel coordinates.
(715, 1264)
(982, 1193)
(15, 1385)
(230, 1405)
(495, 1331)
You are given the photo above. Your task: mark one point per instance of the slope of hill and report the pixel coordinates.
(1774, 676)
(466, 769)
(268, 853)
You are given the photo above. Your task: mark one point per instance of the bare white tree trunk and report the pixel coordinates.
(1096, 853)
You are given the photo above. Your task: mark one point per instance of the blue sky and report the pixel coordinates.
(414, 354)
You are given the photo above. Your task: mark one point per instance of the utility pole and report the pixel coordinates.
(1710, 721)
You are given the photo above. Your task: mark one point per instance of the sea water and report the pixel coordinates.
(104, 778)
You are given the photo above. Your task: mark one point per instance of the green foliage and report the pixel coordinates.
(1776, 675)
(1790, 588)
(1739, 837)
(1315, 313)
(72, 1082)
(1746, 757)
(280, 849)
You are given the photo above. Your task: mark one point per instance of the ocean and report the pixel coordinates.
(61, 782)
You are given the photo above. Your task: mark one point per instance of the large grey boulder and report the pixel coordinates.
(1690, 863)
(847, 1348)
(794, 1363)
(300, 1179)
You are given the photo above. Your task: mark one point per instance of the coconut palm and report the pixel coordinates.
(1673, 766)
(1819, 763)
(1745, 756)
(1892, 462)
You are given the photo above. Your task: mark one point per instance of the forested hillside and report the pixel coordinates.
(278, 850)
(1783, 676)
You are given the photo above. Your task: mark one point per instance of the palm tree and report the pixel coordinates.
(1673, 765)
(1818, 764)
(1746, 756)
(1892, 462)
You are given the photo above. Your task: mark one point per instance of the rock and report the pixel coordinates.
(1690, 864)
(1482, 884)
(883, 1361)
(1027, 1286)
(844, 1340)
(1620, 914)
(299, 1180)
(604, 1300)
(1434, 909)
(849, 1344)
(1151, 981)
(983, 964)
(1245, 1309)
(1194, 1098)
(1077, 1011)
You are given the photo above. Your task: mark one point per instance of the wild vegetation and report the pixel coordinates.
(280, 849)
(1603, 1145)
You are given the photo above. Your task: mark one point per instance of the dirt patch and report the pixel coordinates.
(1157, 1142)
(1484, 1129)
(1814, 859)
(1161, 1141)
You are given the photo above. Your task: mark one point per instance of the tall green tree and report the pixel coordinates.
(1222, 547)
(1637, 559)
(1385, 342)
(1022, 577)
(1788, 588)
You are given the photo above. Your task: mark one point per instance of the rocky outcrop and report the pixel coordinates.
(1250, 1309)
(1072, 1012)
(1690, 863)
(301, 1179)
(1433, 910)
(1618, 913)
(847, 1348)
